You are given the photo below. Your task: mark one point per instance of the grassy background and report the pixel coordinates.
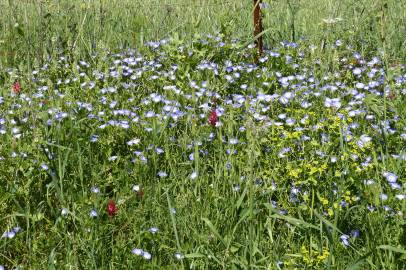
(31, 30)
(227, 227)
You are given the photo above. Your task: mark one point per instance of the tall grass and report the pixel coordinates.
(283, 181)
(31, 30)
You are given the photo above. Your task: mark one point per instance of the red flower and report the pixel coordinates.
(213, 118)
(16, 87)
(111, 208)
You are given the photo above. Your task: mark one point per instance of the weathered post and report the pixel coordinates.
(258, 26)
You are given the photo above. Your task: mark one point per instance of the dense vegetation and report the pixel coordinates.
(33, 31)
(193, 152)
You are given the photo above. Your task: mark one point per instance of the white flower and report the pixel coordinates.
(134, 141)
(359, 85)
(369, 182)
(356, 71)
(179, 256)
(64, 211)
(282, 116)
(400, 196)
(112, 158)
(153, 230)
(146, 255)
(162, 174)
(332, 20)
(193, 176)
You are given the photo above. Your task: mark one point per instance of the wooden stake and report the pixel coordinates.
(258, 26)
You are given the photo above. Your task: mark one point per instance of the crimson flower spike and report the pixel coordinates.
(111, 208)
(16, 87)
(213, 118)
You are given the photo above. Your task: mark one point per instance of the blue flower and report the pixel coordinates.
(137, 251)
(10, 234)
(344, 240)
(332, 102)
(44, 166)
(95, 189)
(93, 213)
(134, 141)
(363, 141)
(355, 233)
(390, 177)
(233, 141)
(94, 138)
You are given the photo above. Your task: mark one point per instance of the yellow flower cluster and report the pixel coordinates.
(312, 257)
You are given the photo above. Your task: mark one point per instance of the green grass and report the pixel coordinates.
(268, 193)
(30, 31)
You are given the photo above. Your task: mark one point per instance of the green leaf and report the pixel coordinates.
(326, 222)
(214, 230)
(20, 31)
(356, 264)
(291, 220)
(194, 255)
(241, 198)
(234, 249)
(394, 249)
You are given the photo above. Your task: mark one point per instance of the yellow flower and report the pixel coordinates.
(324, 201)
(330, 212)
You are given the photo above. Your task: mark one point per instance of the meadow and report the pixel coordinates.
(150, 135)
